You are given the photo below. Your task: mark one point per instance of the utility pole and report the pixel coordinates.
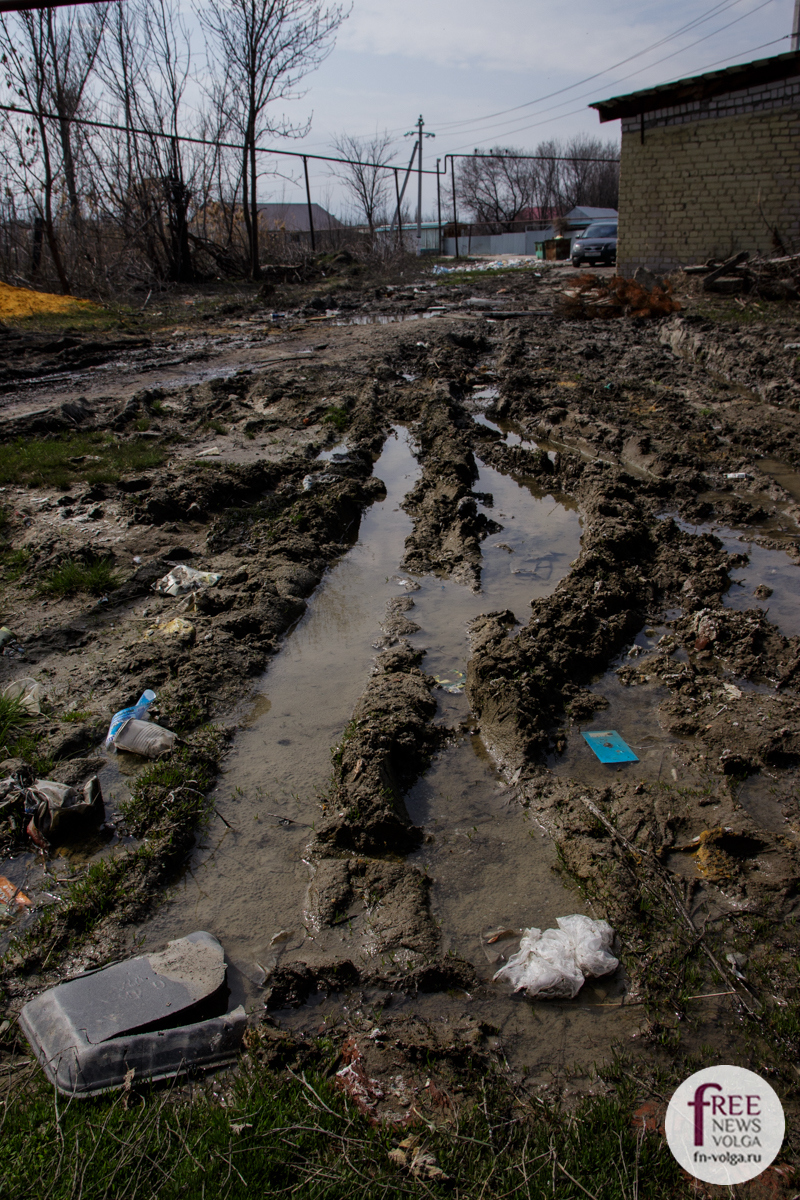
(419, 135)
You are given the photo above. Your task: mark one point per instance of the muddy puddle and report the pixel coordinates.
(489, 862)
(769, 569)
(784, 475)
(633, 711)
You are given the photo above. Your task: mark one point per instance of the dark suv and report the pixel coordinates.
(597, 244)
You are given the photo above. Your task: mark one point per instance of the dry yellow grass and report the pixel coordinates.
(20, 302)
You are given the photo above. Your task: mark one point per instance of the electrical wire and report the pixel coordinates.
(457, 126)
(582, 109)
(510, 129)
(716, 10)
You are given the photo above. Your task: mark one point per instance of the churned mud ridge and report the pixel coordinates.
(386, 745)
(518, 686)
(388, 742)
(448, 528)
(30, 354)
(761, 361)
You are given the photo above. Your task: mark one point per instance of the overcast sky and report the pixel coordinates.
(459, 62)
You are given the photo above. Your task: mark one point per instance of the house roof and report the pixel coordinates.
(701, 87)
(294, 217)
(583, 213)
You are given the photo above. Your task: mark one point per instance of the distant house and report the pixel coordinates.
(710, 165)
(569, 226)
(293, 218)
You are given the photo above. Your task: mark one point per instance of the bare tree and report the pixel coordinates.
(364, 177)
(25, 48)
(584, 179)
(265, 48)
(494, 186)
(73, 39)
(498, 186)
(152, 181)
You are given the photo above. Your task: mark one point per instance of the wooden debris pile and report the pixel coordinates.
(594, 296)
(743, 274)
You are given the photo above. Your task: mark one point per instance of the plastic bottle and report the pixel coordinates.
(138, 710)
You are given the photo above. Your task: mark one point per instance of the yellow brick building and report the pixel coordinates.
(710, 166)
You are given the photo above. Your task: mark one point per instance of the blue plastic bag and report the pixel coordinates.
(139, 711)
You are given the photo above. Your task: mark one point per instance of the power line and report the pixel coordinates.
(573, 112)
(507, 130)
(180, 137)
(457, 126)
(712, 12)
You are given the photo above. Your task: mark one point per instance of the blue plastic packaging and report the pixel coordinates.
(139, 710)
(609, 746)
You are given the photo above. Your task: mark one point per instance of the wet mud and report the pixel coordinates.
(448, 547)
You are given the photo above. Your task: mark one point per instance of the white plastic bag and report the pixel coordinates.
(554, 964)
(592, 941)
(185, 579)
(28, 691)
(142, 737)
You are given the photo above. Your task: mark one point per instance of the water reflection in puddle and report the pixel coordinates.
(770, 568)
(247, 883)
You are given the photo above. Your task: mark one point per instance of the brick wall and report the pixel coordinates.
(705, 184)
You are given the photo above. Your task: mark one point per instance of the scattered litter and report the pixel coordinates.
(9, 894)
(84, 1031)
(211, 452)
(28, 691)
(6, 636)
(609, 746)
(792, 346)
(416, 1159)
(454, 686)
(737, 475)
(285, 935)
(555, 964)
(185, 579)
(61, 813)
(142, 737)
(137, 558)
(178, 628)
(312, 481)
(495, 954)
(410, 585)
(353, 1079)
(138, 710)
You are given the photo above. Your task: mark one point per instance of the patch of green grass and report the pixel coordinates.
(142, 425)
(48, 463)
(217, 426)
(76, 716)
(71, 577)
(339, 418)
(13, 716)
(13, 564)
(279, 1134)
(176, 785)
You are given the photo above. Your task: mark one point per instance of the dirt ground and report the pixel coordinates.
(196, 428)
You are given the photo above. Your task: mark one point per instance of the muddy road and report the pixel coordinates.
(454, 531)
